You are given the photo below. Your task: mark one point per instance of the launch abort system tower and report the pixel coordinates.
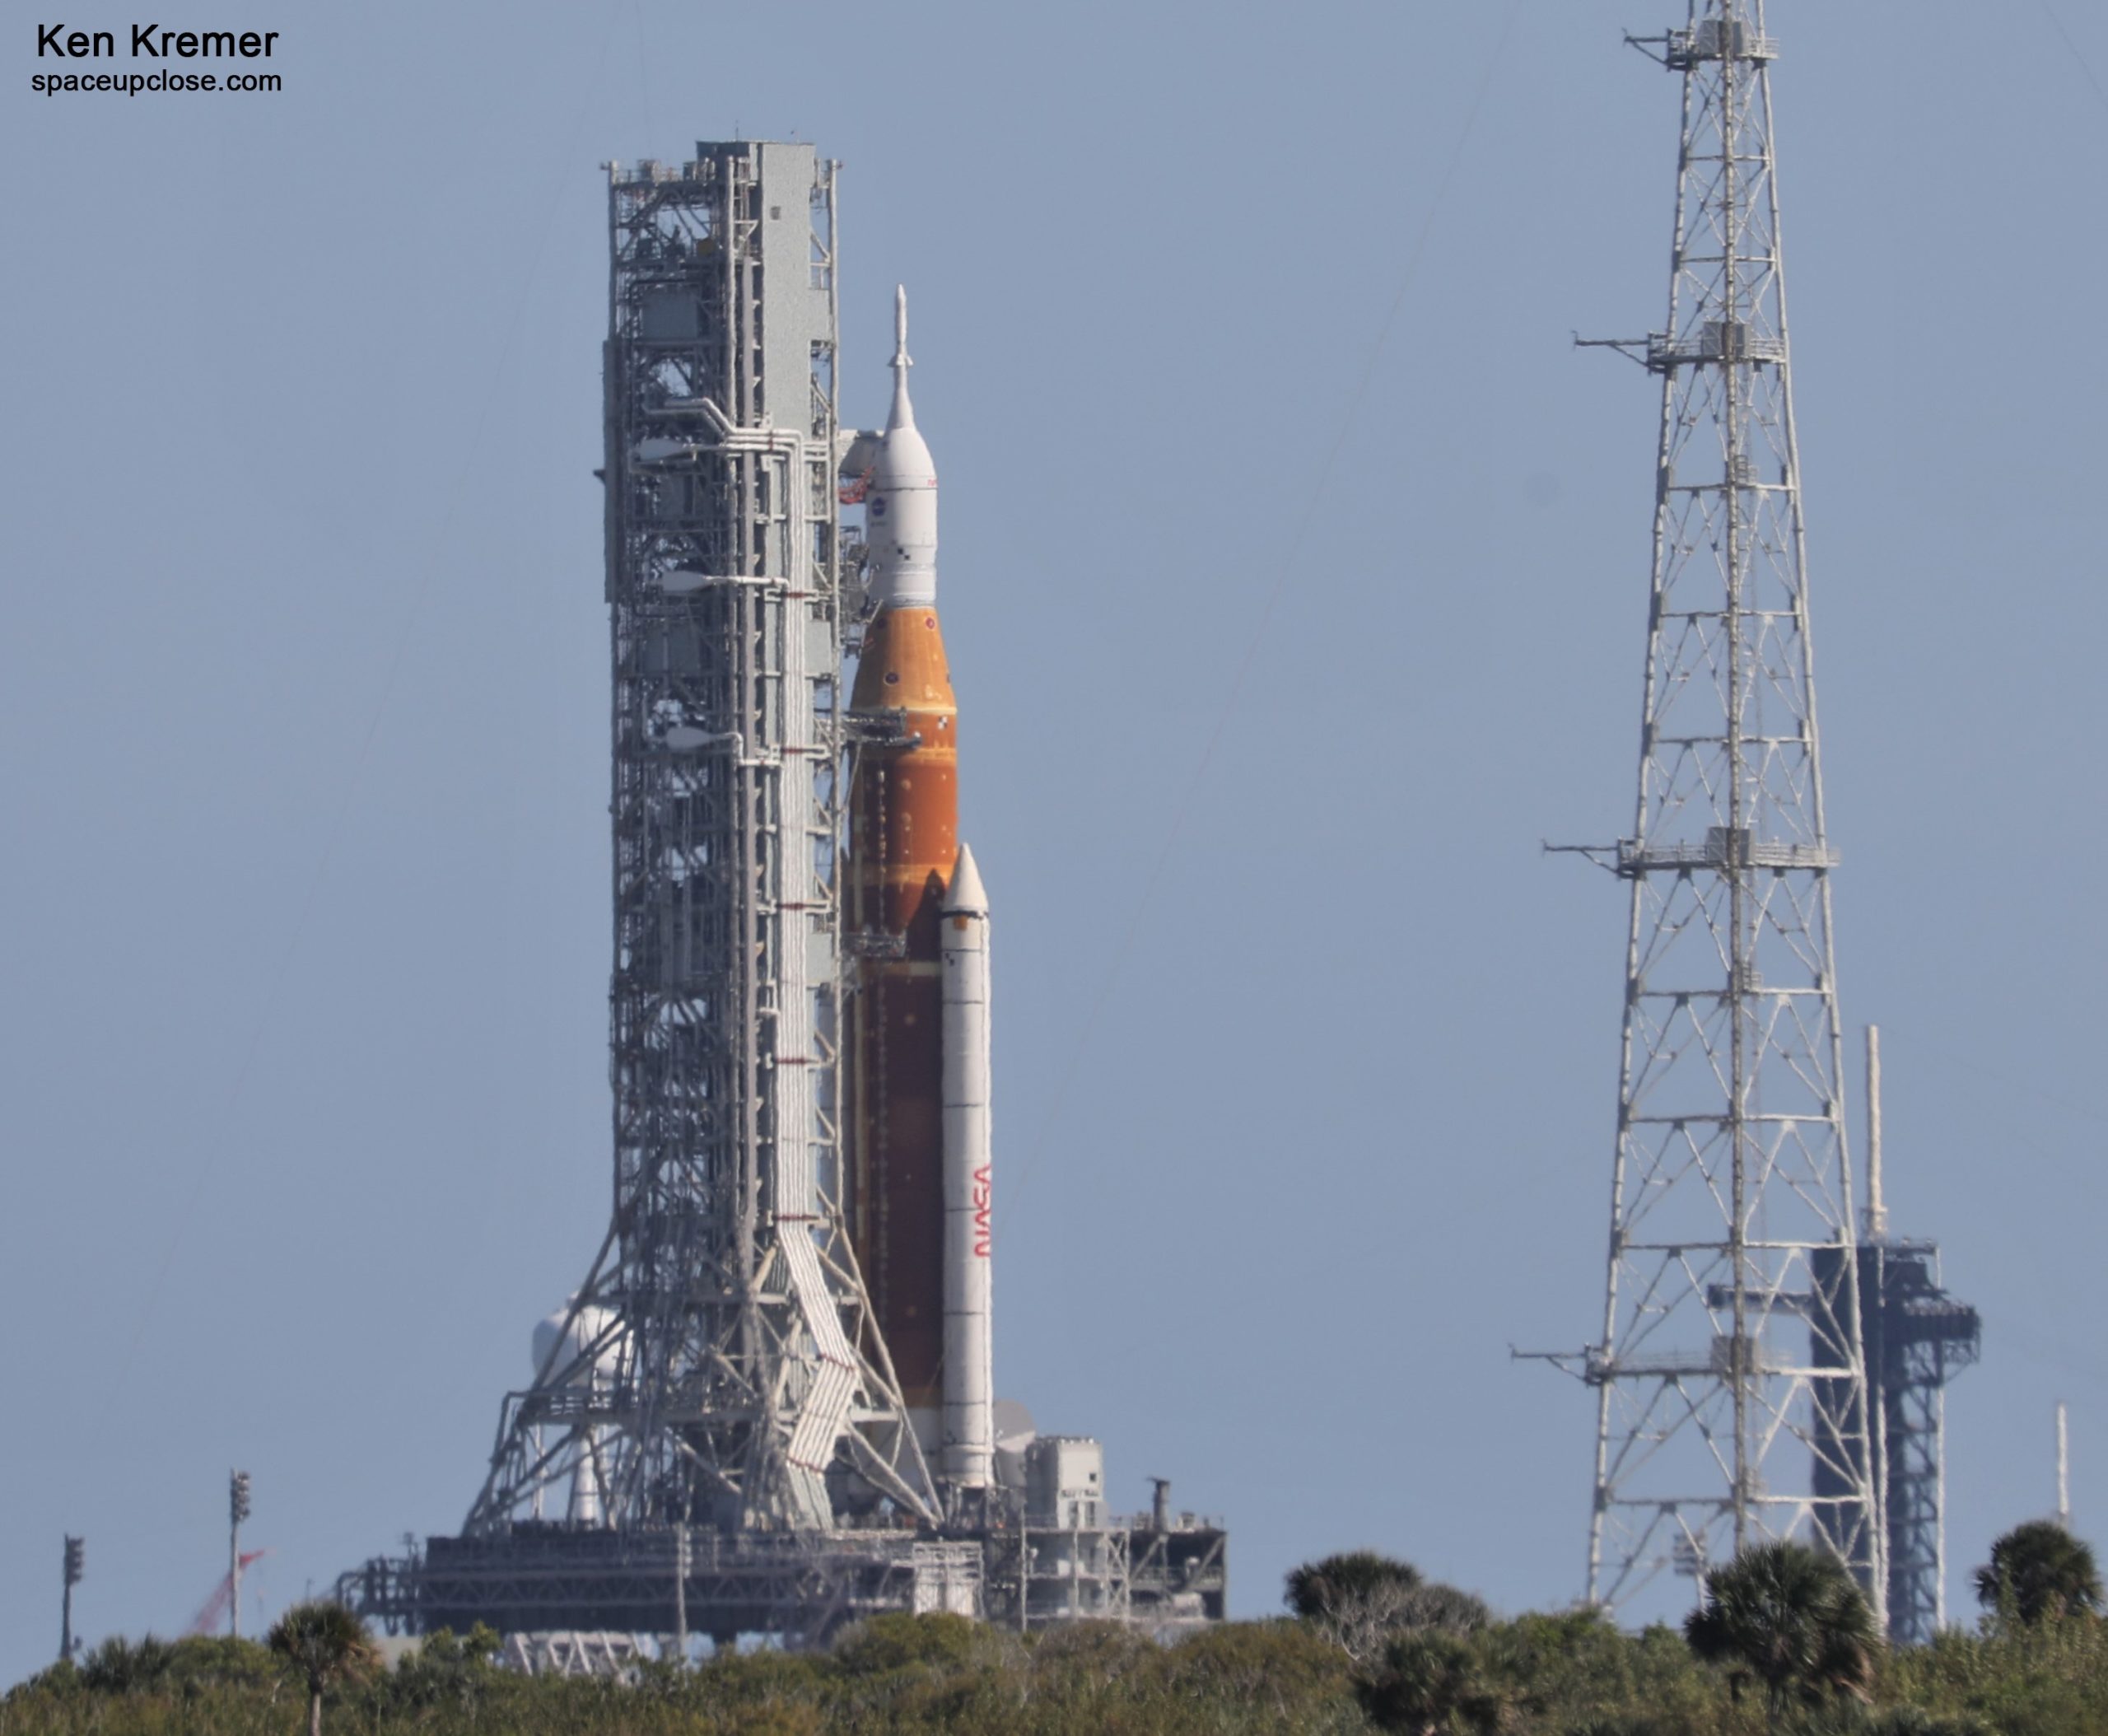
(1731, 1372)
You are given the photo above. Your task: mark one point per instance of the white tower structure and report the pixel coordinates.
(1731, 1376)
(717, 1369)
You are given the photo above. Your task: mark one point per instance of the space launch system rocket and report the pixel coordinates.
(920, 1170)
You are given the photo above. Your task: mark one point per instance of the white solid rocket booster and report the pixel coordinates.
(969, 1439)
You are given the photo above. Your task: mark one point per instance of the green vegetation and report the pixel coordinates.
(2037, 1572)
(1782, 1648)
(1792, 1618)
(1361, 1601)
(326, 1646)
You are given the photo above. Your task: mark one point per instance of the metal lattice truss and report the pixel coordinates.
(1915, 1423)
(1731, 1369)
(1919, 1338)
(718, 1366)
(559, 1584)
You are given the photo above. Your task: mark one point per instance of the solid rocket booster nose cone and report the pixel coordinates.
(965, 896)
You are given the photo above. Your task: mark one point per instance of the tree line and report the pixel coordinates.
(1782, 1644)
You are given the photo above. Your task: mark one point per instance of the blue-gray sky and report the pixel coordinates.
(1305, 1058)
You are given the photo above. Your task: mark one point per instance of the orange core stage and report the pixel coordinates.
(903, 838)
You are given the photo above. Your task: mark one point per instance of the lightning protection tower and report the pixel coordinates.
(1731, 1373)
(717, 1368)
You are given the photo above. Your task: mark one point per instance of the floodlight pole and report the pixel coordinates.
(680, 1592)
(75, 1552)
(237, 1511)
(2064, 1468)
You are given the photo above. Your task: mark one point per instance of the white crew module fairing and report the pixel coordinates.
(900, 502)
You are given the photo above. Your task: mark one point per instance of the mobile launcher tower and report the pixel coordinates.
(769, 1407)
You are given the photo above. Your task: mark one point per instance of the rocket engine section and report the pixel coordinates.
(926, 1280)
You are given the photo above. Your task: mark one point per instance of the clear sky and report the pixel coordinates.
(1294, 574)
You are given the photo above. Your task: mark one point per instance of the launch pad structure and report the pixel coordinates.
(715, 1439)
(1918, 1338)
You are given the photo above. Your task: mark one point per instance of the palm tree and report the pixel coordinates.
(2039, 1572)
(1430, 1682)
(329, 1645)
(1792, 1617)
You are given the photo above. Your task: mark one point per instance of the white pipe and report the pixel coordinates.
(1877, 1205)
(969, 1427)
(2064, 1470)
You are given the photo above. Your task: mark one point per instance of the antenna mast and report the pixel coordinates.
(1877, 1204)
(1731, 1371)
(2063, 1468)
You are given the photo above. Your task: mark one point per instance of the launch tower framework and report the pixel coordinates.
(1919, 1338)
(715, 1368)
(1731, 1371)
